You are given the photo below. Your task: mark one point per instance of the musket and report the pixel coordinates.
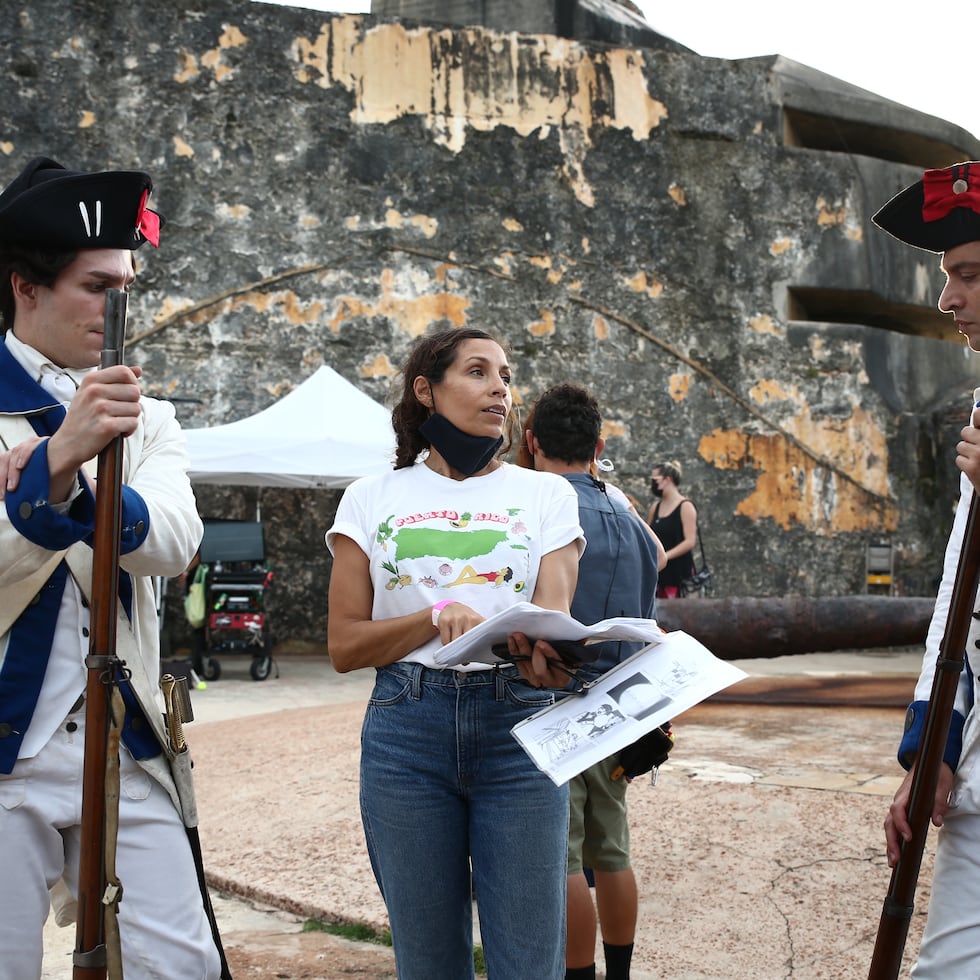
(90, 958)
(893, 927)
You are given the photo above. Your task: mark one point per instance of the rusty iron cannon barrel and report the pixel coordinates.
(743, 627)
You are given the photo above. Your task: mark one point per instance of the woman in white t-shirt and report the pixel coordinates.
(421, 555)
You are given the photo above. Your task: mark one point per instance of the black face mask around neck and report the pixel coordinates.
(463, 452)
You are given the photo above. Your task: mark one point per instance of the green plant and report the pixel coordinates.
(357, 932)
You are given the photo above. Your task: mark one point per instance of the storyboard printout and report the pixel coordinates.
(670, 675)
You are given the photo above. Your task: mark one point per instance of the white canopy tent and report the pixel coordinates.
(324, 434)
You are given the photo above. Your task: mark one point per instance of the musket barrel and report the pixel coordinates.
(90, 954)
(114, 329)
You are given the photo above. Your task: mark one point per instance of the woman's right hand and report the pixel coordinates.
(455, 620)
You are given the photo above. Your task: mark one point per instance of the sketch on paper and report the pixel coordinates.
(663, 679)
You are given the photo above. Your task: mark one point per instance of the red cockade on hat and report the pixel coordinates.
(148, 222)
(952, 187)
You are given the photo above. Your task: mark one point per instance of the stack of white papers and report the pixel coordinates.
(539, 624)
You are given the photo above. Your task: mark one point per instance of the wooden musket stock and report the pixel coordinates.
(90, 953)
(896, 913)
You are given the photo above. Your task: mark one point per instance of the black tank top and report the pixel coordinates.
(670, 530)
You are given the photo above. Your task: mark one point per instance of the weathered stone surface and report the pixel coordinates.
(683, 234)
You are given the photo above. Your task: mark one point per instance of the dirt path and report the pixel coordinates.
(759, 854)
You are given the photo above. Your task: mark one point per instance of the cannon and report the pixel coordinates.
(740, 627)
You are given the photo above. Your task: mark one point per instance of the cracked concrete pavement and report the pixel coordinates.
(759, 853)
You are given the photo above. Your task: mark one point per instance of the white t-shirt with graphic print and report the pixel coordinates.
(479, 541)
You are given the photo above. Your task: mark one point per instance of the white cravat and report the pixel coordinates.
(58, 383)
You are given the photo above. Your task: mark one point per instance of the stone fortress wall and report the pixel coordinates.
(689, 236)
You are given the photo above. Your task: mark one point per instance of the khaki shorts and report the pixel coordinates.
(598, 829)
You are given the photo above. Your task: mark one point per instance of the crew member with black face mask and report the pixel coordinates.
(675, 524)
(450, 537)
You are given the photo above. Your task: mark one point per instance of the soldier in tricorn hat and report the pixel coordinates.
(941, 213)
(65, 237)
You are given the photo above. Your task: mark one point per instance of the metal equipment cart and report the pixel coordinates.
(237, 578)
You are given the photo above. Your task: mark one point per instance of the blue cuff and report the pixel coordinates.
(915, 719)
(135, 521)
(134, 518)
(32, 515)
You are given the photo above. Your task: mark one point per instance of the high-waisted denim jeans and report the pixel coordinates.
(444, 784)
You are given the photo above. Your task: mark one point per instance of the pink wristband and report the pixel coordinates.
(438, 608)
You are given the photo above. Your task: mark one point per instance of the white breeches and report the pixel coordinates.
(165, 932)
(951, 942)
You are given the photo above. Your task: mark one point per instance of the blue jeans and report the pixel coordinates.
(444, 784)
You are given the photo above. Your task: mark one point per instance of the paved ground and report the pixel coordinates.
(759, 853)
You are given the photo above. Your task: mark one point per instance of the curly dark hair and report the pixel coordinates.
(567, 423)
(37, 265)
(430, 358)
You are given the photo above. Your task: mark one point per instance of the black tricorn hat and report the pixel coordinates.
(51, 207)
(938, 212)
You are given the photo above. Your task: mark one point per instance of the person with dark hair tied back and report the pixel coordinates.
(617, 577)
(418, 555)
(674, 518)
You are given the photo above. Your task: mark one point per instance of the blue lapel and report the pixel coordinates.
(20, 394)
(28, 650)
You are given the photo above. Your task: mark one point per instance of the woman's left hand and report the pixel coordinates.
(536, 662)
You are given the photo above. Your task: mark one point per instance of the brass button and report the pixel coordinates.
(25, 510)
